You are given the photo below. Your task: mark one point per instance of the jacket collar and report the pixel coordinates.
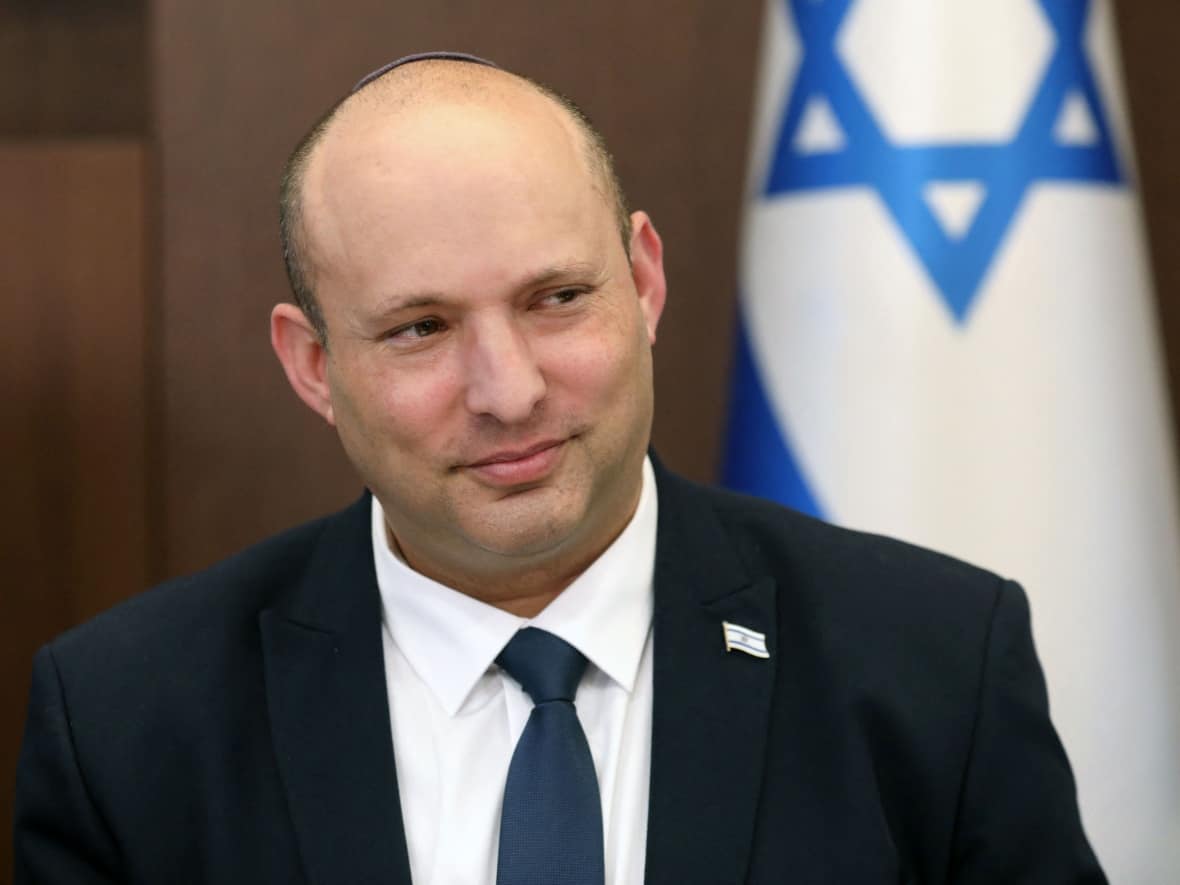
(711, 707)
(329, 712)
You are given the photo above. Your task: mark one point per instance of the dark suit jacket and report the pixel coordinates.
(232, 727)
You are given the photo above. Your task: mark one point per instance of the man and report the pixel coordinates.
(764, 698)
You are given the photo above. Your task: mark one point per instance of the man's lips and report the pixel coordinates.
(516, 454)
(517, 466)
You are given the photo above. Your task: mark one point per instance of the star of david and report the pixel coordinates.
(957, 261)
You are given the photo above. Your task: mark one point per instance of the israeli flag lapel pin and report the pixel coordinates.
(739, 638)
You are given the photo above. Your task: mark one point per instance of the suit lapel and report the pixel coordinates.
(709, 718)
(329, 712)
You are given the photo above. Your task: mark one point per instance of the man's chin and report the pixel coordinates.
(525, 543)
(526, 525)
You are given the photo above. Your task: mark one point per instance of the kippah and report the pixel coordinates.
(420, 56)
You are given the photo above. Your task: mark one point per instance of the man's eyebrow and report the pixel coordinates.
(565, 270)
(544, 277)
(394, 303)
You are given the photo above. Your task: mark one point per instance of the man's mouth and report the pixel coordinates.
(509, 467)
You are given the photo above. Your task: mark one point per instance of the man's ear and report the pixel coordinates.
(304, 357)
(647, 270)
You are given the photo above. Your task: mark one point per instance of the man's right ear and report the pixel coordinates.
(304, 357)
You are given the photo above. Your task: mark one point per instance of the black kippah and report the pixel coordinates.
(420, 56)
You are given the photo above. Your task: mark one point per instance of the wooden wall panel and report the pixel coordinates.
(237, 84)
(72, 67)
(71, 356)
(1150, 34)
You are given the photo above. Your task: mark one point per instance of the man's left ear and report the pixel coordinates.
(647, 270)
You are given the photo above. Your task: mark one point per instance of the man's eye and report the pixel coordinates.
(564, 296)
(421, 329)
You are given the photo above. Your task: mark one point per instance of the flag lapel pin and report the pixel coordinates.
(739, 638)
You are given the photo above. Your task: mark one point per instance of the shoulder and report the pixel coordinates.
(768, 534)
(195, 617)
(861, 585)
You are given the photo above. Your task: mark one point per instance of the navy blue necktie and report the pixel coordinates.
(551, 827)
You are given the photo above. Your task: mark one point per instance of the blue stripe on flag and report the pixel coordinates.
(758, 460)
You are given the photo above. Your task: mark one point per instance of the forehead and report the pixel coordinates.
(497, 134)
(436, 177)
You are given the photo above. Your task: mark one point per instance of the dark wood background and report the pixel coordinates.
(147, 428)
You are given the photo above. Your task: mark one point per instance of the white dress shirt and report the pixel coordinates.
(456, 716)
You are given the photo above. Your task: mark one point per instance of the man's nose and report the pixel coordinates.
(503, 378)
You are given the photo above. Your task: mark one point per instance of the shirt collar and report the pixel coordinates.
(450, 639)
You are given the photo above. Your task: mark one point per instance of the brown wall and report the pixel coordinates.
(1150, 35)
(72, 67)
(150, 431)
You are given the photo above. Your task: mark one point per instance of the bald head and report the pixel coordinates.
(465, 91)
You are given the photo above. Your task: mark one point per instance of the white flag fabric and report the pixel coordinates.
(947, 335)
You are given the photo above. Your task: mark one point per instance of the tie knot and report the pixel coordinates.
(547, 667)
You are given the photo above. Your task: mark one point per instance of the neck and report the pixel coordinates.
(522, 586)
(523, 591)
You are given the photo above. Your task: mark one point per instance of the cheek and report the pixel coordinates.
(604, 369)
(394, 408)
(417, 414)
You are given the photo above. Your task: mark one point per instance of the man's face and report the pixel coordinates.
(489, 346)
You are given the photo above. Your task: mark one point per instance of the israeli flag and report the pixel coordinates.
(744, 639)
(947, 335)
